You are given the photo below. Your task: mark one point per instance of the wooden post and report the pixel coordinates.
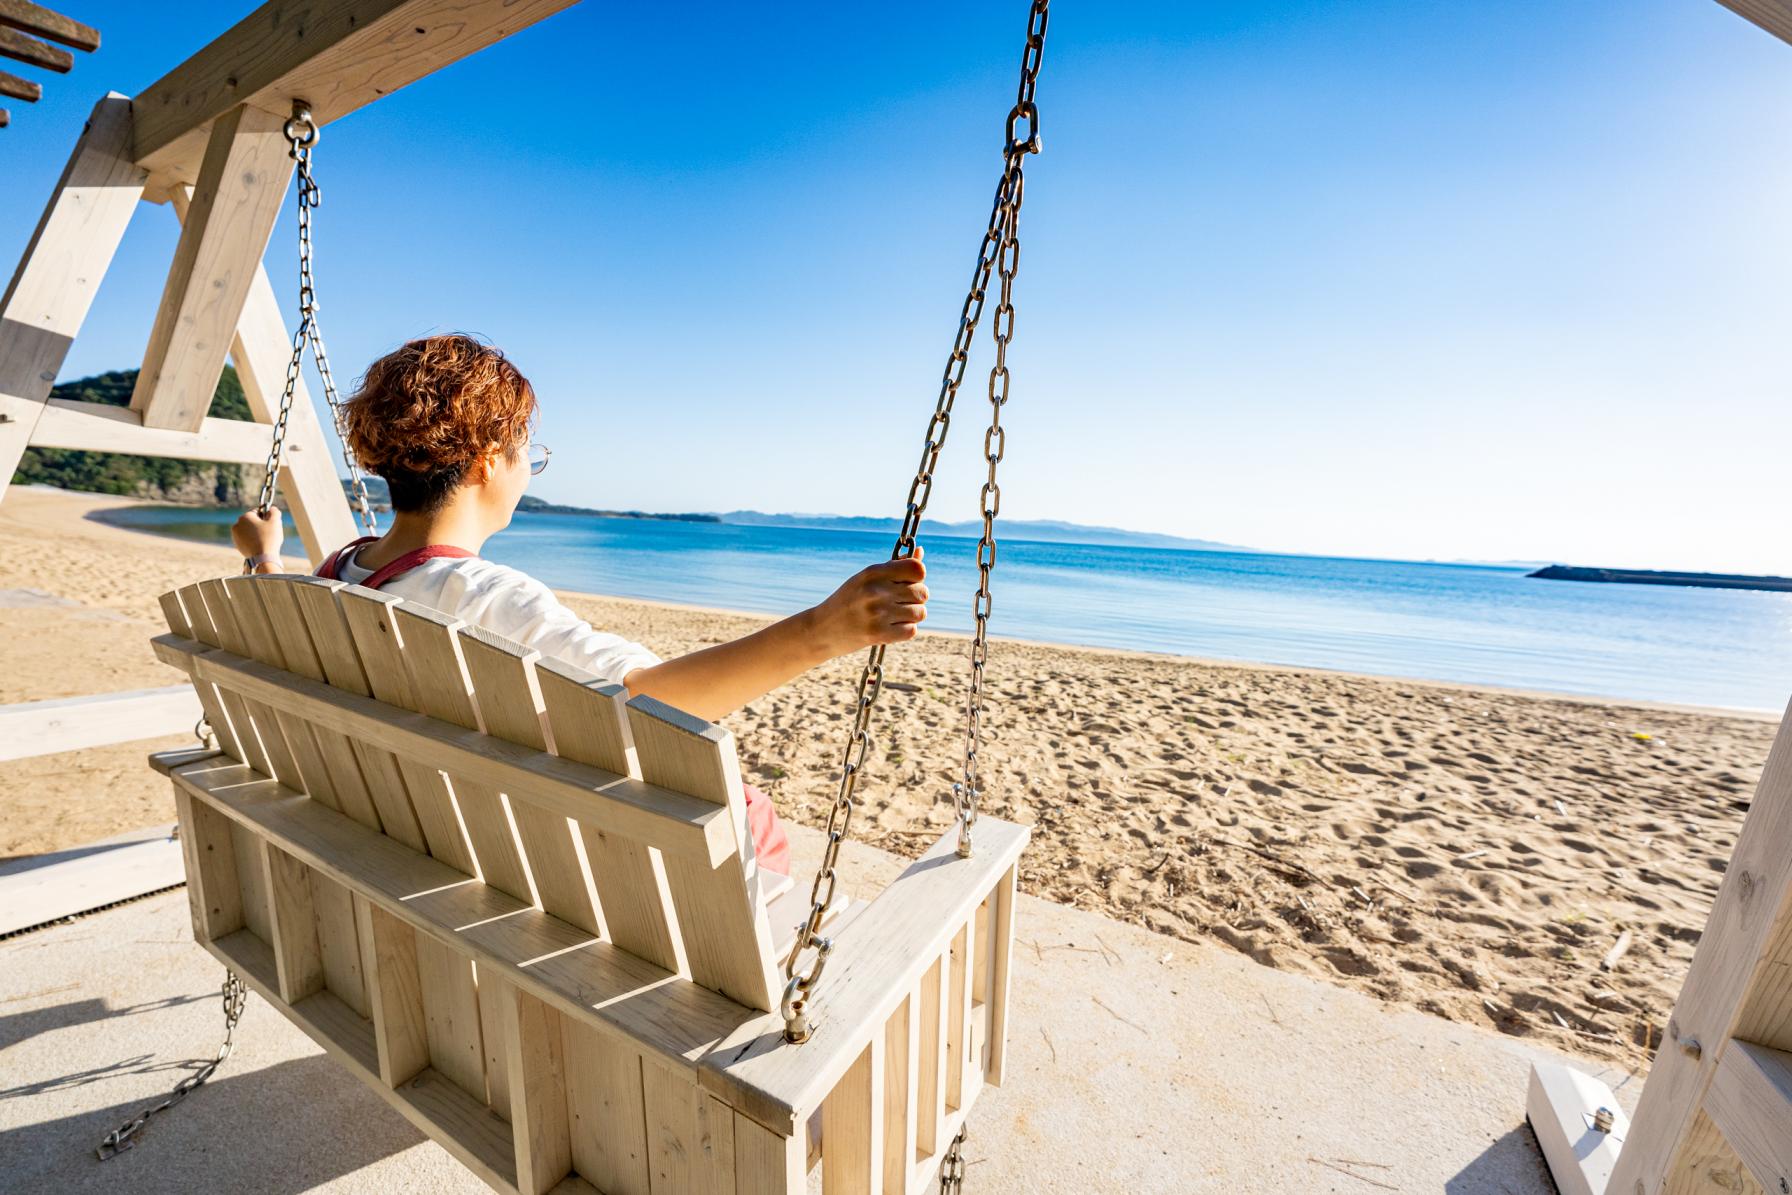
(50, 292)
(241, 184)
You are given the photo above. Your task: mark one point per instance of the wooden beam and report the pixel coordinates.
(27, 17)
(50, 292)
(35, 53)
(40, 889)
(30, 728)
(1737, 986)
(229, 219)
(5, 118)
(20, 89)
(100, 427)
(337, 55)
(1775, 16)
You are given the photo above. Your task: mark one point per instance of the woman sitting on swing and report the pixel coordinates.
(445, 421)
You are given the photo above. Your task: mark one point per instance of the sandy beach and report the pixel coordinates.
(1474, 853)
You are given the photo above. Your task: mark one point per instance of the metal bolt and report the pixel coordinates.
(1602, 1120)
(1784, 1185)
(1690, 1047)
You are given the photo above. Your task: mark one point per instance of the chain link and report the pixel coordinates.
(952, 1167)
(122, 1138)
(301, 136)
(999, 251)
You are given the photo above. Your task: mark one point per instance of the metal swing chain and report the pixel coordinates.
(122, 1138)
(301, 136)
(999, 249)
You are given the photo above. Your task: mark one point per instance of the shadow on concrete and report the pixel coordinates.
(19, 1027)
(281, 1130)
(1510, 1166)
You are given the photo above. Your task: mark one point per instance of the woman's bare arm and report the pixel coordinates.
(885, 603)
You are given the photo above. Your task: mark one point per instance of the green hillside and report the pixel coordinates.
(163, 478)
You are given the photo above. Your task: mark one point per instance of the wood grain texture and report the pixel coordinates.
(1775, 16)
(588, 722)
(98, 427)
(14, 44)
(766, 1163)
(339, 942)
(721, 917)
(852, 1126)
(257, 728)
(39, 21)
(394, 992)
(607, 1110)
(1000, 980)
(538, 1103)
(239, 192)
(221, 712)
(298, 961)
(213, 890)
(451, 1015)
(901, 1063)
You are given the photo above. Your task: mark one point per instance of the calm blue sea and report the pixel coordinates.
(1434, 621)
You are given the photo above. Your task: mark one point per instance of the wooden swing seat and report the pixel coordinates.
(525, 910)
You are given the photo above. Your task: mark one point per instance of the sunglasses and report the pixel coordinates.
(538, 458)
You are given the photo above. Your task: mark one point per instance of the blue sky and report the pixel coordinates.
(1369, 277)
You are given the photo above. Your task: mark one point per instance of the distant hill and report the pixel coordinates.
(1047, 530)
(164, 479)
(381, 499)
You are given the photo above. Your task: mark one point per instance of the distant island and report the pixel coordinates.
(380, 498)
(1643, 576)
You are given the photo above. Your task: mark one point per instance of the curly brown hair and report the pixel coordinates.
(424, 413)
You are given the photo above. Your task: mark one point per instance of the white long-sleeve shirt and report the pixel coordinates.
(511, 603)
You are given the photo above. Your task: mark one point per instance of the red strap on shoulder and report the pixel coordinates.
(411, 560)
(332, 567)
(333, 562)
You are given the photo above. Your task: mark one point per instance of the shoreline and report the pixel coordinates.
(1468, 851)
(99, 515)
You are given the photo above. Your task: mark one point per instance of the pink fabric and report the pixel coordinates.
(770, 844)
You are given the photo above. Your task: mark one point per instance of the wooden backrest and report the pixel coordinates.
(624, 818)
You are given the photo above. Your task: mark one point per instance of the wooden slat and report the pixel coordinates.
(713, 1167)
(394, 992)
(348, 790)
(1775, 16)
(48, 297)
(878, 957)
(1736, 986)
(31, 728)
(676, 823)
(439, 683)
(346, 53)
(589, 724)
(606, 1109)
(35, 19)
(901, 1063)
(930, 1089)
(339, 942)
(382, 659)
(252, 882)
(100, 427)
(336, 654)
(958, 1004)
(213, 891)
(852, 1126)
(1000, 985)
(263, 643)
(298, 961)
(241, 187)
(275, 756)
(451, 1015)
(14, 44)
(721, 918)
(1750, 1102)
(509, 706)
(494, 995)
(227, 712)
(669, 1103)
(538, 1093)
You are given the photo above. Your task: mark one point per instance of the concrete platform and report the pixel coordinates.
(1137, 1063)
